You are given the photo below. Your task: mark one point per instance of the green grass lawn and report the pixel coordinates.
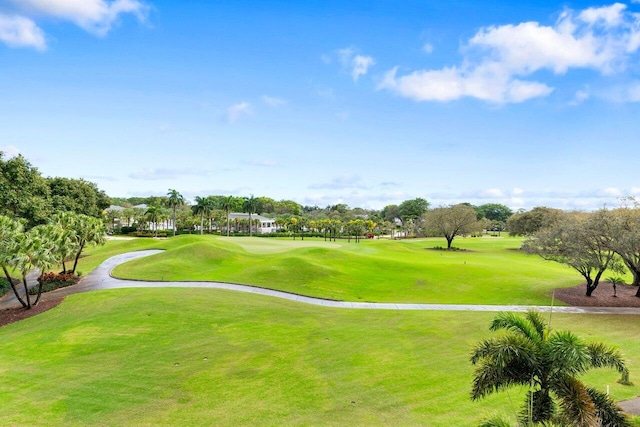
(488, 271)
(212, 357)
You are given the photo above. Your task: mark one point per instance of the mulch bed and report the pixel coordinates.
(601, 297)
(10, 315)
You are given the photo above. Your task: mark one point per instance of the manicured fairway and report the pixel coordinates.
(211, 357)
(489, 271)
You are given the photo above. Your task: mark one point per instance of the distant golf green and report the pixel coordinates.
(485, 271)
(209, 357)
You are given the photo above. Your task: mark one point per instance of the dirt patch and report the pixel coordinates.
(13, 314)
(601, 297)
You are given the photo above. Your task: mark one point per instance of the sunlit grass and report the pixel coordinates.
(211, 357)
(487, 271)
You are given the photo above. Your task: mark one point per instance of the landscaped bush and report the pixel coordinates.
(127, 230)
(5, 286)
(51, 281)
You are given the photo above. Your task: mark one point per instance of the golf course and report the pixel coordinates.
(171, 356)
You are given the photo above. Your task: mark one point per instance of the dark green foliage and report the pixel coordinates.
(494, 212)
(24, 193)
(77, 195)
(549, 363)
(528, 223)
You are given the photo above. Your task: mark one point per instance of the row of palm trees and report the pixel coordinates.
(217, 210)
(58, 242)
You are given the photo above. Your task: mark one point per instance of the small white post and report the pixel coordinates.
(607, 390)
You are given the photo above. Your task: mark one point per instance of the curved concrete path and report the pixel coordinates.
(101, 278)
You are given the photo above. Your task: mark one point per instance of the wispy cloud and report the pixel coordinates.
(340, 183)
(358, 65)
(274, 102)
(235, 111)
(21, 32)
(164, 173)
(499, 60)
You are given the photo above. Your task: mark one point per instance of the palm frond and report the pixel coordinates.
(567, 353)
(517, 324)
(575, 401)
(602, 355)
(609, 413)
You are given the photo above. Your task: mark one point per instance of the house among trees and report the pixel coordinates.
(239, 222)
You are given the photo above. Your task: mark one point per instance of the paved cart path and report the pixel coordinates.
(101, 278)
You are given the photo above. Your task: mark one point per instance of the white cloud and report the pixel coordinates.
(95, 16)
(580, 96)
(358, 65)
(517, 192)
(610, 16)
(235, 111)
(492, 193)
(164, 173)
(273, 101)
(9, 151)
(340, 183)
(498, 60)
(428, 48)
(361, 66)
(18, 31)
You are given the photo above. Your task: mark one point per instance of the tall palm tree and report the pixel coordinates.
(175, 199)
(152, 215)
(226, 204)
(549, 363)
(200, 208)
(249, 206)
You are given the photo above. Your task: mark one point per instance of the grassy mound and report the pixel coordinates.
(490, 271)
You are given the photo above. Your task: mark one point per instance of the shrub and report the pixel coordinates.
(51, 281)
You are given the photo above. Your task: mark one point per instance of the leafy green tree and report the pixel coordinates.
(528, 223)
(24, 193)
(626, 239)
(77, 195)
(174, 199)
(581, 241)
(451, 221)
(10, 229)
(413, 209)
(549, 363)
(287, 207)
(391, 213)
(494, 212)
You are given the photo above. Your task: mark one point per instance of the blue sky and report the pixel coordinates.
(366, 103)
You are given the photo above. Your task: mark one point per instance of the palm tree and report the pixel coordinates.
(152, 215)
(9, 232)
(35, 249)
(226, 205)
(175, 199)
(249, 206)
(549, 363)
(200, 208)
